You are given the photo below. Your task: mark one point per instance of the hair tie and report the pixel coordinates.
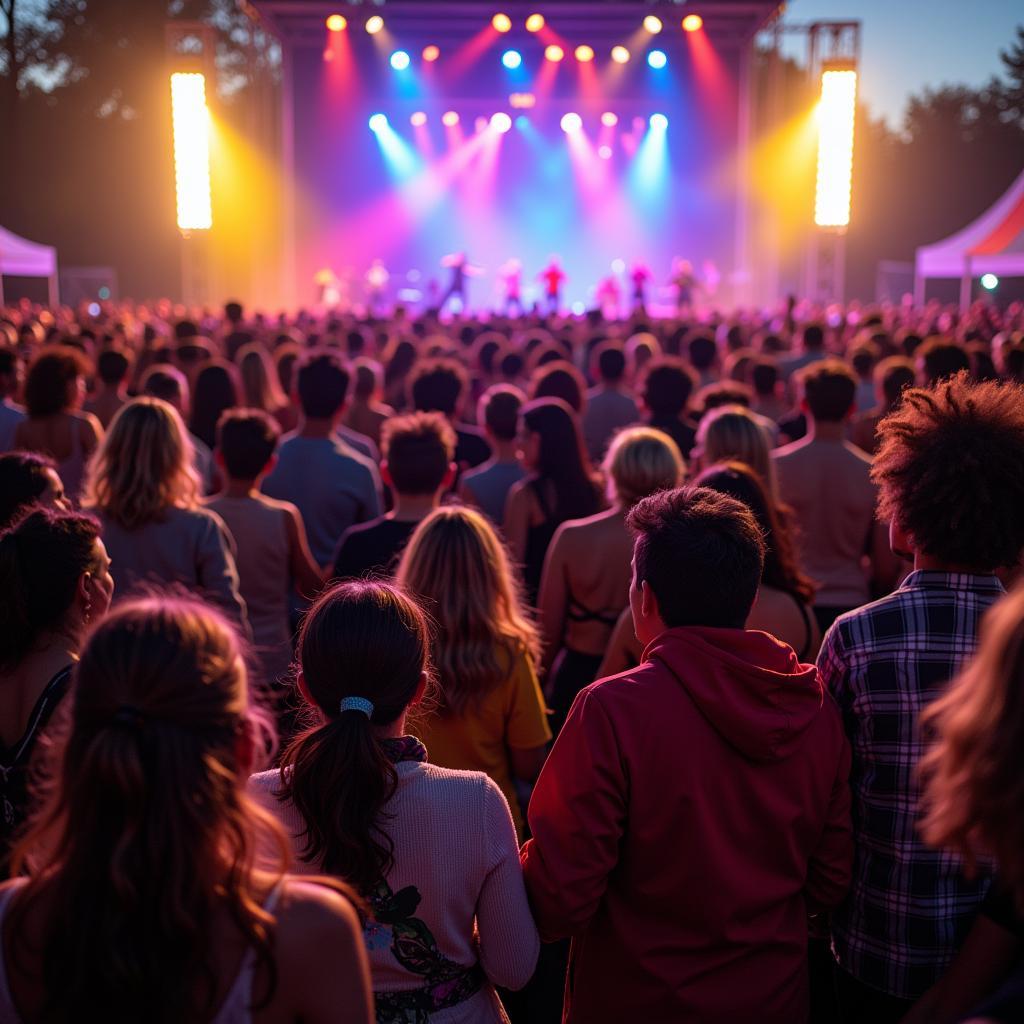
(357, 704)
(127, 716)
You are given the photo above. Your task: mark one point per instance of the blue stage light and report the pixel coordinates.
(378, 122)
(512, 59)
(657, 59)
(399, 60)
(659, 122)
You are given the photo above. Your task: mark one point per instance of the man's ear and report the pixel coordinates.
(648, 602)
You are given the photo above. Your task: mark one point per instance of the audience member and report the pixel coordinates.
(10, 385)
(488, 485)
(733, 433)
(260, 388)
(112, 368)
(366, 413)
(764, 378)
(28, 478)
(609, 405)
(703, 355)
(938, 358)
(812, 350)
(439, 386)
(171, 386)
(558, 378)
(217, 388)
(891, 377)
(665, 394)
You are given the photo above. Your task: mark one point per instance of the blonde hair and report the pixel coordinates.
(456, 565)
(260, 386)
(641, 461)
(143, 466)
(973, 790)
(732, 434)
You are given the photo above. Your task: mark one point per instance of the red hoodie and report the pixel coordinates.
(692, 811)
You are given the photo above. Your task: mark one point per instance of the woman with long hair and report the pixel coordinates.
(560, 485)
(587, 573)
(55, 423)
(141, 898)
(144, 489)
(216, 389)
(28, 478)
(261, 388)
(732, 433)
(433, 851)
(490, 714)
(54, 580)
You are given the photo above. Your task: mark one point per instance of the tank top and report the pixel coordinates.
(237, 1005)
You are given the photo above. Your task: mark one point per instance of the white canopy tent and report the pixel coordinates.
(21, 258)
(991, 244)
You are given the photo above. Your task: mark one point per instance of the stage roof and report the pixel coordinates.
(727, 22)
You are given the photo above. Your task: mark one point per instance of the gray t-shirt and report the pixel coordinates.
(490, 485)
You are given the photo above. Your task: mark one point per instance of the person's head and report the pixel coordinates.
(511, 366)
(29, 478)
(260, 388)
(246, 442)
(829, 389)
(438, 385)
(703, 352)
(863, 359)
(458, 568)
(56, 381)
(113, 366)
(764, 376)
(731, 433)
(168, 384)
(781, 566)
(667, 387)
(813, 337)
(560, 379)
(367, 379)
(498, 411)
(641, 461)
(892, 376)
(146, 819)
(322, 385)
(973, 792)
(54, 580)
(417, 452)
(216, 390)
(950, 473)
(939, 358)
(609, 363)
(143, 466)
(363, 640)
(233, 313)
(697, 561)
(722, 392)
(10, 371)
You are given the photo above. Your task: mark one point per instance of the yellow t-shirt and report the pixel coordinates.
(513, 716)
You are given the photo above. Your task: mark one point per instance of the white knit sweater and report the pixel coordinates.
(454, 841)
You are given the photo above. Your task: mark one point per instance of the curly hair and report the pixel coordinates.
(950, 471)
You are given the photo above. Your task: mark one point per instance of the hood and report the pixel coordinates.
(751, 687)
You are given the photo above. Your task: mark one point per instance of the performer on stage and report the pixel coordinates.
(511, 276)
(553, 277)
(640, 275)
(609, 297)
(461, 270)
(685, 283)
(328, 288)
(377, 278)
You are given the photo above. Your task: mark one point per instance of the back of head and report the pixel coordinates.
(42, 558)
(260, 388)
(50, 380)
(368, 641)
(829, 388)
(642, 461)
(456, 565)
(24, 479)
(939, 358)
(707, 539)
(731, 433)
(143, 465)
(950, 471)
(437, 385)
(367, 378)
(418, 449)
(146, 830)
(813, 337)
(892, 376)
(610, 361)
(246, 440)
(166, 383)
(703, 352)
(113, 365)
(723, 392)
(322, 385)
(562, 458)
(560, 379)
(863, 359)
(667, 386)
(764, 375)
(498, 410)
(216, 389)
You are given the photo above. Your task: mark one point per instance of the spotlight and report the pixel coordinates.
(449, 119)
(657, 59)
(693, 23)
(652, 24)
(658, 122)
(501, 122)
(431, 53)
(374, 24)
(609, 120)
(554, 53)
(501, 23)
(535, 22)
(336, 23)
(512, 59)
(989, 282)
(620, 55)
(584, 54)
(190, 120)
(572, 123)
(836, 115)
(399, 60)
(418, 120)
(604, 152)
(378, 122)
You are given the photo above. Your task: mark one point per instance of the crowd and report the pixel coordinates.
(412, 669)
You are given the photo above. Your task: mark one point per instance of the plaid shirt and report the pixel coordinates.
(909, 906)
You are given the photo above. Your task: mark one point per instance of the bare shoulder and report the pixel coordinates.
(316, 920)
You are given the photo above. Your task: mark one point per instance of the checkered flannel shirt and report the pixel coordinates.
(909, 906)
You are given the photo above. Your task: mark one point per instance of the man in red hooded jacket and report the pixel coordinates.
(694, 810)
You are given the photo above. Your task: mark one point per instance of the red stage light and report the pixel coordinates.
(337, 23)
(693, 23)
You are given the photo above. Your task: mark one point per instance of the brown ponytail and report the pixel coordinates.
(360, 639)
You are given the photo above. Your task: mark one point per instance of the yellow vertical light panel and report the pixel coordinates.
(836, 113)
(191, 125)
